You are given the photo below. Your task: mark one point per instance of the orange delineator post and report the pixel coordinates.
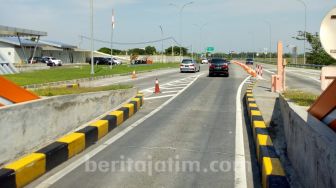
(325, 104)
(15, 93)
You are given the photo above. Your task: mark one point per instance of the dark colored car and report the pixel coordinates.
(35, 60)
(139, 62)
(100, 61)
(249, 61)
(218, 67)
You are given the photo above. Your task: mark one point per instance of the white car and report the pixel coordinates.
(116, 61)
(204, 61)
(57, 62)
(51, 61)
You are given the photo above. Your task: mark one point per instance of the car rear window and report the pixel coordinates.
(218, 61)
(187, 61)
(249, 59)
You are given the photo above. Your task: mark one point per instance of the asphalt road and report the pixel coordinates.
(297, 78)
(183, 137)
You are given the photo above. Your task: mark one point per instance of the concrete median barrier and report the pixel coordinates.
(23, 171)
(311, 146)
(272, 172)
(43, 121)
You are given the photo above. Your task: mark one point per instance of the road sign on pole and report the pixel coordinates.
(328, 33)
(210, 49)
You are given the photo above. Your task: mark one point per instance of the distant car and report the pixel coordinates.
(218, 67)
(249, 61)
(205, 61)
(100, 61)
(139, 62)
(189, 65)
(51, 61)
(114, 62)
(35, 60)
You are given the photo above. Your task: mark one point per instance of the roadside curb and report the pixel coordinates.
(25, 170)
(272, 172)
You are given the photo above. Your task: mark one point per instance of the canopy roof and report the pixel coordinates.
(6, 31)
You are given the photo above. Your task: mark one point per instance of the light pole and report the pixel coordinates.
(305, 31)
(252, 43)
(201, 35)
(180, 18)
(91, 23)
(112, 32)
(270, 39)
(161, 43)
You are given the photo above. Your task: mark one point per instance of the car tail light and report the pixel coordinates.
(225, 66)
(212, 66)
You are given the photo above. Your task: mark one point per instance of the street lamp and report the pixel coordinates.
(305, 31)
(270, 39)
(91, 23)
(252, 43)
(201, 36)
(112, 33)
(180, 17)
(161, 43)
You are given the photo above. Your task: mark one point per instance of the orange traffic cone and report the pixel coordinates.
(157, 87)
(134, 75)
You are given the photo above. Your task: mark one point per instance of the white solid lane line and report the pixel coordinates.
(171, 91)
(57, 176)
(240, 168)
(170, 88)
(159, 97)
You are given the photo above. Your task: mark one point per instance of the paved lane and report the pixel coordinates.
(302, 79)
(189, 143)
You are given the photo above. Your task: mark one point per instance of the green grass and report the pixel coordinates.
(66, 73)
(300, 98)
(67, 91)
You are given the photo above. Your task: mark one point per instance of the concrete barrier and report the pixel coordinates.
(272, 172)
(25, 170)
(28, 126)
(311, 146)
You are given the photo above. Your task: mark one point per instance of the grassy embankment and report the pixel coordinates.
(67, 91)
(300, 98)
(66, 73)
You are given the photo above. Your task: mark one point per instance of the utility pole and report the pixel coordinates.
(161, 43)
(112, 32)
(305, 31)
(92, 67)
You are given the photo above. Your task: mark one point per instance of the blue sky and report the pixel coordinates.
(237, 25)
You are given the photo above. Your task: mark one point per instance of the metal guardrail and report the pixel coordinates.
(310, 66)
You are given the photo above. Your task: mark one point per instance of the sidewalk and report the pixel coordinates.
(268, 104)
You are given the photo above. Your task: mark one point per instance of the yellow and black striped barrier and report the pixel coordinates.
(72, 85)
(272, 172)
(23, 171)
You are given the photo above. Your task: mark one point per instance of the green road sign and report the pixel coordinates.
(210, 49)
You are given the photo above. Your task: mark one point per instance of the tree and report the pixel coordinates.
(168, 51)
(108, 51)
(150, 50)
(137, 51)
(317, 55)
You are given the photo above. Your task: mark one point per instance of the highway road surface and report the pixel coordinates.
(297, 78)
(193, 134)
